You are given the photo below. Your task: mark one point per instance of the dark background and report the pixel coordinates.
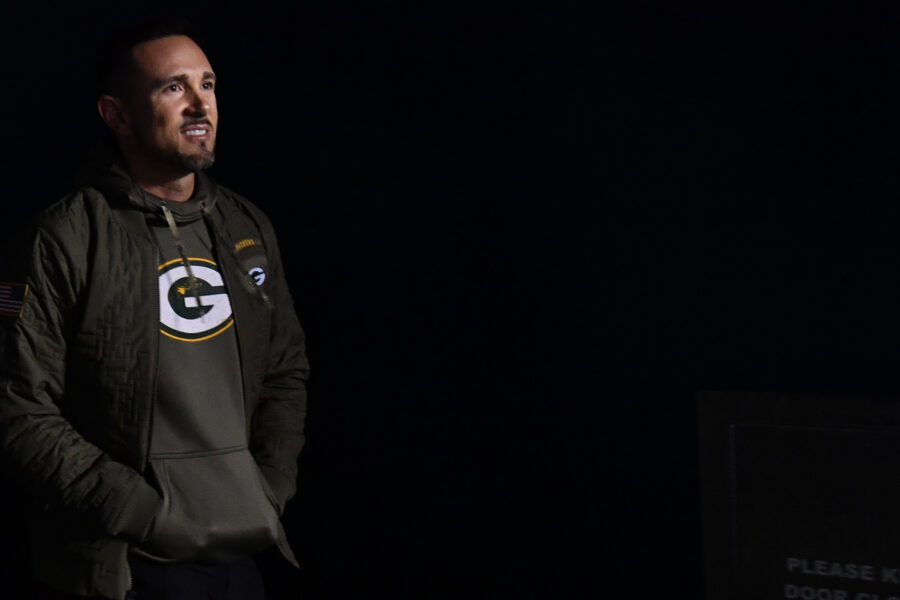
(521, 237)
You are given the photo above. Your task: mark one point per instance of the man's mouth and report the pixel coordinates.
(196, 130)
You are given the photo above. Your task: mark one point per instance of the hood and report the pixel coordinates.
(105, 172)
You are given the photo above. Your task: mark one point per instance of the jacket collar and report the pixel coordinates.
(105, 172)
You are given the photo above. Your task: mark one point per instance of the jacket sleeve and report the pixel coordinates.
(277, 433)
(39, 447)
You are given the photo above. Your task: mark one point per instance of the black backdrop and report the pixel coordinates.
(521, 237)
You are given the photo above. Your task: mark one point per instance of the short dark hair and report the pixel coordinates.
(114, 63)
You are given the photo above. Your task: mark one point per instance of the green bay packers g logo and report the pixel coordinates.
(180, 315)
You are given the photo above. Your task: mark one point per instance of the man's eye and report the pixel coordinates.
(173, 87)
(208, 85)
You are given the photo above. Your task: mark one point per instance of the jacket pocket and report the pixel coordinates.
(281, 538)
(270, 495)
(216, 508)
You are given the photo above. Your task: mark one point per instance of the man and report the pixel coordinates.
(153, 385)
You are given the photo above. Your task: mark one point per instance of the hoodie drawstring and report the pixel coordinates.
(176, 233)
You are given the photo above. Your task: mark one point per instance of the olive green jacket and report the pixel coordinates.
(78, 375)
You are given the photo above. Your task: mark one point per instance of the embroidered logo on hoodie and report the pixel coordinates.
(193, 310)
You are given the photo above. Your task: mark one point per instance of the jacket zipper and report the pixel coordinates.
(130, 594)
(154, 362)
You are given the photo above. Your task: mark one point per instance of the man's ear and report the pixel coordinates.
(114, 114)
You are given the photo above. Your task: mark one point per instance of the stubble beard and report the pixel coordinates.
(198, 162)
(181, 163)
(189, 163)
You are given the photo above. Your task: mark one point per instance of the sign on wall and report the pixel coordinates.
(801, 496)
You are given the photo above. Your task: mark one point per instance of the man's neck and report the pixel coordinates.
(176, 190)
(162, 183)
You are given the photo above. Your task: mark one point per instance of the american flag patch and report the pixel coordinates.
(11, 297)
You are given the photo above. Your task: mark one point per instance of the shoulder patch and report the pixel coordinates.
(12, 295)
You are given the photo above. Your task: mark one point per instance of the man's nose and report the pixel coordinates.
(198, 103)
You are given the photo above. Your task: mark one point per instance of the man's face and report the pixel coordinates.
(172, 106)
